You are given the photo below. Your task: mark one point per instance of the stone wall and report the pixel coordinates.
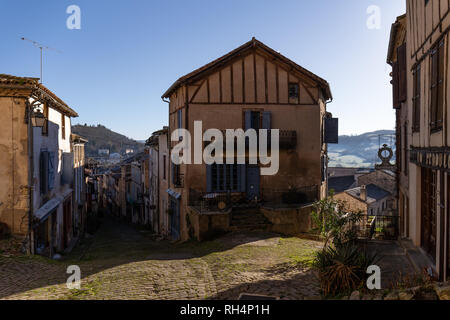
(203, 226)
(289, 221)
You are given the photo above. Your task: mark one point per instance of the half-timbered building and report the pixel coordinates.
(252, 87)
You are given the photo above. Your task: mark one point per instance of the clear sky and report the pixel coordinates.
(114, 69)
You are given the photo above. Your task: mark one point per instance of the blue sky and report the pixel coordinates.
(114, 70)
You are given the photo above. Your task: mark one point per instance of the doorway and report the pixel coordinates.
(428, 212)
(253, 182)
(174, 206)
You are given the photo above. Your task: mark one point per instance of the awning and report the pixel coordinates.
(43, 212)
(174, 194)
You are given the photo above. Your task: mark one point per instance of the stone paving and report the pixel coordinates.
(122, 262)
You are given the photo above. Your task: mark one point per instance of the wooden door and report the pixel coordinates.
(428, 212)
(175, 219)
(448, 226)
(67, 214)
(253, 182)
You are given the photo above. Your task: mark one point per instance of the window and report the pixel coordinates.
(437, 87)
(293, 91)
(176, 175)
(224, 178)
(63, 126)
(47, 171)
(416, 100)
(45, 127)
(405, 157)
(180, 118)
(164, 167)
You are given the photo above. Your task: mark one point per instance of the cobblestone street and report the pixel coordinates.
(121, 262)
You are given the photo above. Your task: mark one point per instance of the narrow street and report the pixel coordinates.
(122, 262)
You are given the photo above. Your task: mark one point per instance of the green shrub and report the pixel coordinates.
(342, 269)
(334, 222)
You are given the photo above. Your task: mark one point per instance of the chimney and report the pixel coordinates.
(363, 193)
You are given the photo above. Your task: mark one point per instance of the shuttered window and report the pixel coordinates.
(45, 127)
(43, 172)
(47, 171)
(396, 101)
(223, 178)
(402, 72)
(416, 99)
(63, 126)
(437, 87)
(51, 170)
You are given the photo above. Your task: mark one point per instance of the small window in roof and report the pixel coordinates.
(293, 90)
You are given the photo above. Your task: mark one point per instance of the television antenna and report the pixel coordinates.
(41, 48)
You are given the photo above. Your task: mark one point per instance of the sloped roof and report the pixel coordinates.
(340, 184)
(10, 81)
(374, 193)
(254, 43)
(399, 22)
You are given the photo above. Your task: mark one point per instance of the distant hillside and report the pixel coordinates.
(101, 137)
(360, 150)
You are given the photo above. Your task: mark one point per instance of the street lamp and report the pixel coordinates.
(38, 119)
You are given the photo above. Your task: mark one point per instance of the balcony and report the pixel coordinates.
(381, 227)
(178, 181)
(205, 202)
(221, 202)
(288, 139)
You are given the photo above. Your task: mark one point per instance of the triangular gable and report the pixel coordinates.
(251, 53)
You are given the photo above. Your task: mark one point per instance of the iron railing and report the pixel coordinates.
(216, 202)
(178, 181)
(288, 139)
(378, 227)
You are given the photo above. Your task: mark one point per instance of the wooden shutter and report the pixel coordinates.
(43, 169)
(434, 89)
(416, 99)
(248, 120)
(267, 125)
(208, 178)
(440, 86)
(331, 130)
(402, 87)
(180, 119)
(67, 168)
(267, 120)
(241, 177)
(51, 170)
(396, 101)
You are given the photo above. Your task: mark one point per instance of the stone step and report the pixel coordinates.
(250, 227)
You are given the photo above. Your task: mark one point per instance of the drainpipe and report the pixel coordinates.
(29, 109)
(169, 145)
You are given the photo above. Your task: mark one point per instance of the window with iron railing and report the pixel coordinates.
(416, 99)
(437, 87)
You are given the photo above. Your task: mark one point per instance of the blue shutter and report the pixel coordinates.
(248, 120)
(208, 178)
(267, 125)
(51, 170)
(180, 121)
(241, 177)
(173, 172)
(267, 120)
(43, 172)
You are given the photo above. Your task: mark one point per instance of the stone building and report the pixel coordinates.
(252, 87)
(418, 53)
(36, 165)
(159, 173)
